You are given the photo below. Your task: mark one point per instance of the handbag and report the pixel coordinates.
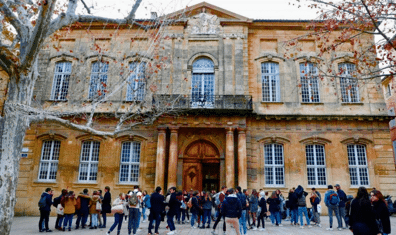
(59, 210)
(98, 206)
(118, 209)
(379, 225)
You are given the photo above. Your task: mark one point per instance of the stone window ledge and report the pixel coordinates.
(357, 103)
(313, 103)
(85, 184)
(267, 102)
(42, 183)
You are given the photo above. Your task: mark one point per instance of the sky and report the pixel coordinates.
(254, 9)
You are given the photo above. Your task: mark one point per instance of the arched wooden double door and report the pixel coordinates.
(201, 166)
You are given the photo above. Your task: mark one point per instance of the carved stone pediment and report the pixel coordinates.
(204, 23)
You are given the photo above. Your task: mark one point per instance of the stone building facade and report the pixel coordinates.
(254, 118)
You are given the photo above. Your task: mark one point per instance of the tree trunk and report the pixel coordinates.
(13, 126)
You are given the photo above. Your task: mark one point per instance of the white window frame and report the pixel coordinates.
(203, 84)
(270, 71)
(91, 163)
(52, 160)
(97, 78)
(388, 90)
(316, 166)
(133, 161)
(359, 167)
(347, 80)
(136, 81)
(60, 84)
(273, 166)
(309, 83)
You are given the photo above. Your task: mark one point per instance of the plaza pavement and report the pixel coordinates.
(29, 225)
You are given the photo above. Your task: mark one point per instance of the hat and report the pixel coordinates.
(336, 185)
(330, 187)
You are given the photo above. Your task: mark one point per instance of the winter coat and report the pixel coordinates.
(293, 201)
(207, 204)
(106, 203)
(362, 213)
(48, 200)
(253, 203)
(119, 201)
(157, 203)
(343, 198)
(232, 207)
(174, 204)
(242, 200)
(273, 204)
(195, 206)
(84, 202)
(263, 204)
(92, 207)
(327, 197)
(69, 205)
(381, 211)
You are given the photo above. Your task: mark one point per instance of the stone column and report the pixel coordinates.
(242, 159)
(160, 163)
(172, 167)
(229, 158)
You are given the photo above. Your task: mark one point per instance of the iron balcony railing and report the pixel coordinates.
(221, 102)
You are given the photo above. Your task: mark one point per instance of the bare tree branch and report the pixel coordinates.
(13, 19)
(131, 15)
(86, 7)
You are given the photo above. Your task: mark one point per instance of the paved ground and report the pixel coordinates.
(28, 225)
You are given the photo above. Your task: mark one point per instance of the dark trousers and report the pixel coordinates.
(133, 222)
(170, 221)
(44, 216)
(218, 220)
(157, 217)
(81, 217)
(104, 219)
(261, 218)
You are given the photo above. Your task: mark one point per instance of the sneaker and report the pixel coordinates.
(48, 231)
(280, 225)
(214, 232)
(262, 229)
(193, 227)
(143, 221)
(254, 229)
(301, 227)
(171, 233)
(344, 227)
(339, 229)
(138, 230)
(319, 225)
(69, 229)
(108, 233)
(329, 229)
(309, 226)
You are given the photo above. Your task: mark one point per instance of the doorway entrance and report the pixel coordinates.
(201, 166)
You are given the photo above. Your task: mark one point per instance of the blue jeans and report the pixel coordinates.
(60, 221)
(301, 210)
(94, 222)
(133, 220)
(194, 216)
(144, 213)
(276, 215)
(342, 213)
(242, 223)
(67, 218)
(207, 214)
(330, 209)
(117, 221)
(170, 221)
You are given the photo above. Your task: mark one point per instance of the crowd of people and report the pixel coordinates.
(366, 214)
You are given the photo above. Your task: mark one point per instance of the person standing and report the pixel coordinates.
(381, 211)
(118, 216)
(45, 209)
(146, 205)
(341, 205)
(173, 204)
(69, 204)
(302, 209)
(83, 212)
(207, 208)
(100, 212)
(221, 196)
(331, 201)
(194, 208)
(274, 208)
(242, 219)
(157, 206)
(362, 219)
(315, 200)
(263, 205)
(92, 210)
(59, 217)
(186, 198)
(293, 207)
(106, 205)
(232, 210)
(135, 201)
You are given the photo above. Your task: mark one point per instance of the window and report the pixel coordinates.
(130, 158)
(316, 165)
(202, 84)
(348, 83)
(388, 90)
(60, 86)
(309, 83)
(274, 166)
(89, 161)
(49, 160)
(98, 83)
(270, 82)
(136, 81)
(358, 170)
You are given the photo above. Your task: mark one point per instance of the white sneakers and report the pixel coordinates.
(280, 225)
(171, 233)
(309, 226)
(254, 228)
(329, 229)
(262, 229)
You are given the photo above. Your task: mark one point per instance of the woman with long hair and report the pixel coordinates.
(253, 202)
(380, 209)
(362, 218)
(263, 206)
(274, 209)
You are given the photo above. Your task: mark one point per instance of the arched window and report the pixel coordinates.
(309, 83)
(98, 83)
(348, 83)
(136, 81)
(203, 82)
(270, 82)
(316, 164)
(60, 86)
(274, 165)
(130, 159)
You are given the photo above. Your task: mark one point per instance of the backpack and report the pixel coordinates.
(301, 201)
(43, 202)
(217, 199)
(133, 200)
(334, 199)
(78, 203)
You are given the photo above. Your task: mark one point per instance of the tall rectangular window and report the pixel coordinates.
(136, 81)
(274, 165)
(49, 160)
(309, 83)
(60, 85)
(358, 168)
(270, 82)
(98, 82)
(130, 159)
(348, 83)
(89, 161)
(316, 165)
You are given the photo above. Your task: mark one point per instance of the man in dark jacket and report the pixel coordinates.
(173, 204)
(82, 214)
(45, 209)
(194, 209)
(157, 206)
(293, 207)
(106, 205)
(341, 204)
(232, 210)
(242, 219)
